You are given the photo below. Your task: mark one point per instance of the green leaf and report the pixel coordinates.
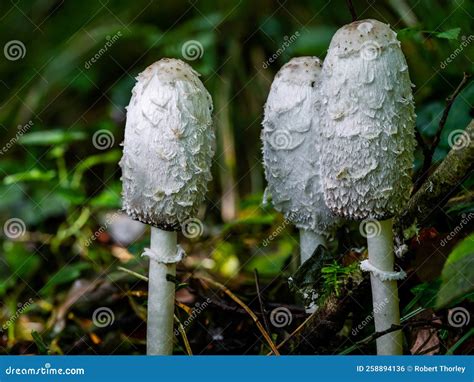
(65, 275)
(271, 264)
(34, 175)
(109, 197)
(412, 33)
(311, 40)
(226, 261)
(458, 274)
(111, 156)
(451, 34)
(71, 196)
(51, 137)
(22, 263)
(424, 295)
(40, 344)
(309, 273)
(408, 33)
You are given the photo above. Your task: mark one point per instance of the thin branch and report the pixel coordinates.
(428, 154)
(260, 300)
(296, 331)
(130, 272)
(421, 349)
(426, 150)
(441, 184)
(449, 103)
(351, 10)
(186, 308)
(183, 335)
(466, 198)
(255, 319)
(394, 328)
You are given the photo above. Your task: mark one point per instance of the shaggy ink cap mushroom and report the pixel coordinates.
(168, 145)
(291, 137)
(369, 123)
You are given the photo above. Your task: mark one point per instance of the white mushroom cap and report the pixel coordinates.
(169, 145)
(290, 146)
(368, 134)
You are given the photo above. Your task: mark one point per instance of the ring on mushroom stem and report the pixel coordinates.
(368, 148)
(167, 153)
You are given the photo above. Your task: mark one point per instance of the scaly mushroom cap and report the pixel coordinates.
(168, 146)
(369, 121)
(290, 133)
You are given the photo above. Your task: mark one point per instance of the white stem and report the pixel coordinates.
(161, 294)
(309, 241)
(384, 293)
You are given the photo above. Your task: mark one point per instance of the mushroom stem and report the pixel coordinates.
(161, 292)
(309, 241)
(384, 292)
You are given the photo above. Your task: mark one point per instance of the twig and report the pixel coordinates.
(428, 154)
(130, 272)
(449, 103)
(237, 309)
(426, 151)
(296, 331)
(441, 184)
(394, 328)
(183, 335)
(186, 308)
(247, 309)
(351, 10)
(466, 198)
(262, 309)
(421, 349)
